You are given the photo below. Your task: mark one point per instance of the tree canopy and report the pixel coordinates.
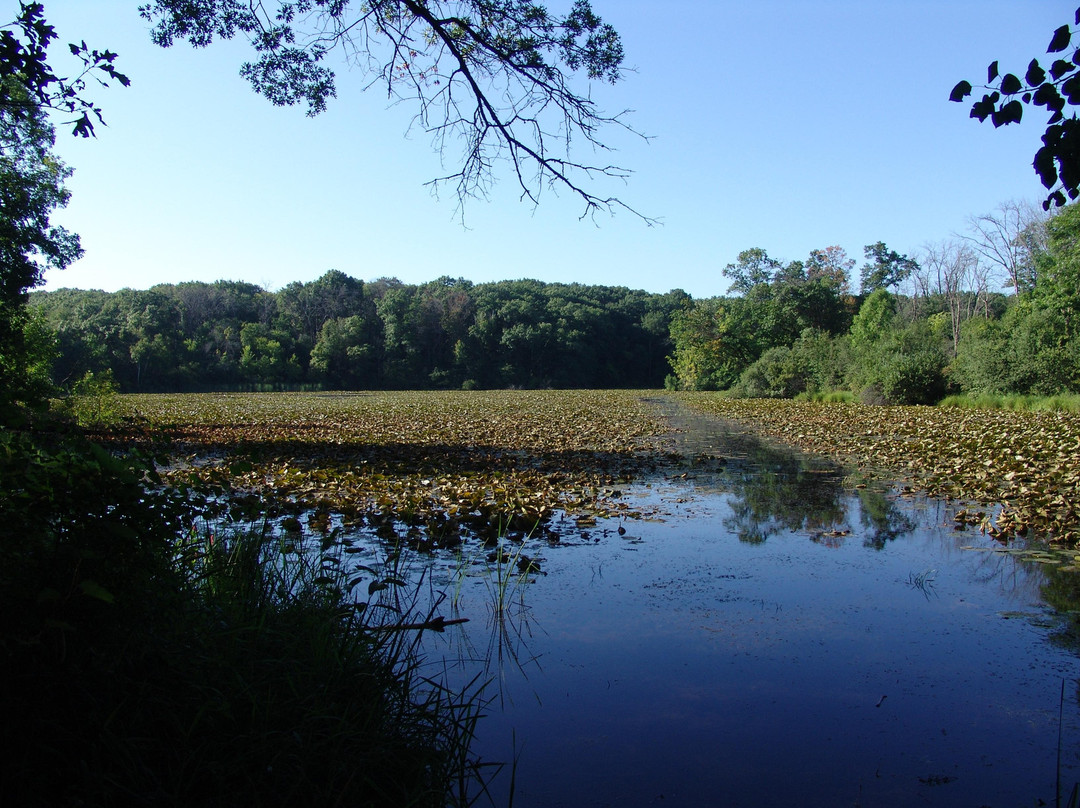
(341, 332)
(32, 183)
(884, 268)
(1057, 162)
(492, 76)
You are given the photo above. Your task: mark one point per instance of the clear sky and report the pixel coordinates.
(789, 125)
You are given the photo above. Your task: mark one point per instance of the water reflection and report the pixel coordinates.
(498, 650)
(881, 519)
(774, 490)
(784, 496)
(1062, 591)
(765, 643)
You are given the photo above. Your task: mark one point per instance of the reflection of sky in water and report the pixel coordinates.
(679, 665)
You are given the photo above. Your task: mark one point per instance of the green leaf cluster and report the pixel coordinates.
(29, 85)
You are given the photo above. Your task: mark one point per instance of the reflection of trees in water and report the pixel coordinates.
(1061, 589)
(774, 490)
(882, 520)
(777, 497)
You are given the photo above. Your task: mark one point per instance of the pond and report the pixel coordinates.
(773, 635)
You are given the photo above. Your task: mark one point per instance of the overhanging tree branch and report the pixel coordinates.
(1058, 161)
(28, 85)
(488, 77)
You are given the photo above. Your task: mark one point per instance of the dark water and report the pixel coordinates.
(774, 637)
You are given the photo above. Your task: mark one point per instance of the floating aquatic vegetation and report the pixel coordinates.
(485, 462)
(1028, 462)
(439, 464)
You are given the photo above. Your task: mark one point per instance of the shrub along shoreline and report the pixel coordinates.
(1028, 462)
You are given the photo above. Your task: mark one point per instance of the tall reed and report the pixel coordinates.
(331, 709)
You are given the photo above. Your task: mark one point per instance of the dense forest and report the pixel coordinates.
(993, 310)
(343, 333)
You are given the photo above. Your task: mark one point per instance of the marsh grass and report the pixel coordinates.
(510, 571)
(986, 401)
(494, 582)
(331, 708)
(831, 397)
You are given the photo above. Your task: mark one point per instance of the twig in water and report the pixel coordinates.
(434, 624)
(924, 582)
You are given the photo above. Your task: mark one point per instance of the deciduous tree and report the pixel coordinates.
(31, 189)
(1010, 237)
(713, 344)
(832, 267)
(953, 271)
(751, 267)
(1059, 281)
(885, 268)
(32, 179)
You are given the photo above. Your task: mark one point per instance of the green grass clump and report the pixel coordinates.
(1064, 402)
(831, 397)
(333, 708)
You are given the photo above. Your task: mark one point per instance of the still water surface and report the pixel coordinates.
(772, 637)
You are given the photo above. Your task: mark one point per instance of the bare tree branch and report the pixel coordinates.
(1007, 237)
(491, 78)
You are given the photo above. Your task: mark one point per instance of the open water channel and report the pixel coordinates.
(772, 636)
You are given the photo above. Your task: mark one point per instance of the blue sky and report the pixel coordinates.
(789, 125)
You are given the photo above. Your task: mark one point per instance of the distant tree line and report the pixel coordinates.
(342, 333)
(993, 310)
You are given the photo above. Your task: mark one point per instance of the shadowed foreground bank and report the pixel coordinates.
(147, 662)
